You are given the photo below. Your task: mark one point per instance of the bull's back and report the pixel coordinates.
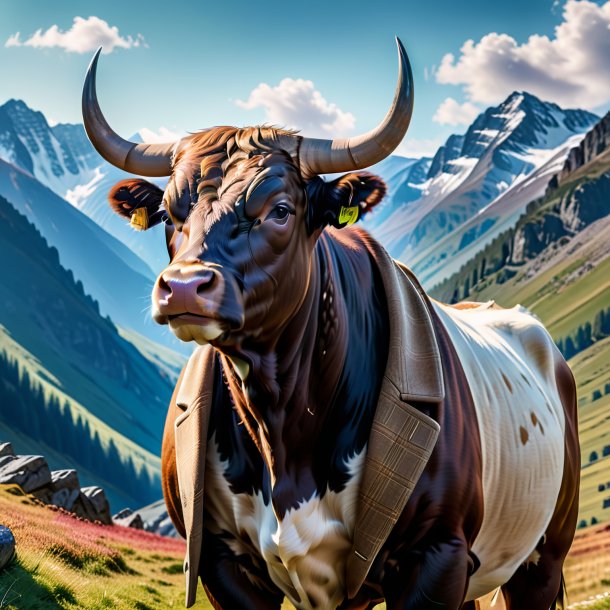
(509, 361)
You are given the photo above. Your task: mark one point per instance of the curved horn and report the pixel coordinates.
(142, 159)
(319, 156)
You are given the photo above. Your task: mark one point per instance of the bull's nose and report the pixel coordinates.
(191, 288)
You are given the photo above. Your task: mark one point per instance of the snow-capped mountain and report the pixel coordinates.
(110, 272)
(502, 162)
(60, 157)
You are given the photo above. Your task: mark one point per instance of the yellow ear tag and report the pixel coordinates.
(348, 216)
(139, 219)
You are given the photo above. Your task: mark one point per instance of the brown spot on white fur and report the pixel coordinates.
(524, 435)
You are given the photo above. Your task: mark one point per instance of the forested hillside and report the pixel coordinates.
(69, 381)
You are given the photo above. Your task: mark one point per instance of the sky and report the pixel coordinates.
(327, 68)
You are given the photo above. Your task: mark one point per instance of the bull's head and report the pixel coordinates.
(243, 211)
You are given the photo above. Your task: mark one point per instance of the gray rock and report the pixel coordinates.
(5, 459)
(156, 519)
(30, 472)
(93, 505)
(7, 546)
(122, 514)
(6, 449)
(127, 518)
(65, 488)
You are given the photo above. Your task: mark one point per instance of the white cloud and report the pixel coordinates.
(162, 135)
(451, 112)
(416, 148)
(84, 36)
(296, 103)
(571, 67)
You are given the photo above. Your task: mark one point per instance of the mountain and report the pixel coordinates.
(557, 245)
(60, 157)
(504, 147)
(403, 177)
(78, 369)
(117, 278)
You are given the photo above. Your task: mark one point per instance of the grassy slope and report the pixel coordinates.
(52, 386)
(592, 371)
(65, 563)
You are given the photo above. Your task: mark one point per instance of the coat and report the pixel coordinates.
(400, 442)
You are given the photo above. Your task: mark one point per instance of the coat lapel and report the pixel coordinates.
(402, 438)
(400, 444)
(191, 431)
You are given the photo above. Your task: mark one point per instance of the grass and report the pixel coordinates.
(66, 563)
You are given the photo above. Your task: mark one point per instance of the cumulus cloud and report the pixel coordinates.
(570, 68)
(84, 36)
(296, 103)
(416, 147)
(451, 112)
(157, 137)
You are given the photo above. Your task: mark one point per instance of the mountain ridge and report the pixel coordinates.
(504, 145)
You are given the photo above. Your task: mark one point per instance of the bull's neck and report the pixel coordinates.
(309, 398)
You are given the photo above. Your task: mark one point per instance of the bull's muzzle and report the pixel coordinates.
(198, 301)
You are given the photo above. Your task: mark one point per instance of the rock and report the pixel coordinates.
(5, 459)
(157, 521)
(30, 472)
(127, 518)
(7, 546)
(123, 514)
(65, 488)
(6, 449)
(93, 505)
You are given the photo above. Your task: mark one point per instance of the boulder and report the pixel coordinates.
(65, 488)
(127, 518)
(7, 546)
(5, 459)
(156, 519)
(30, 472)
(6, 449)
(93, 505)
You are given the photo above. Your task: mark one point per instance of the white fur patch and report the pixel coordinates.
(508, 358)
(305, 552)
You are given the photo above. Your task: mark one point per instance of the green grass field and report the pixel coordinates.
(66, 563)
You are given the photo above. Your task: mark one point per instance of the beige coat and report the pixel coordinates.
(399, 445)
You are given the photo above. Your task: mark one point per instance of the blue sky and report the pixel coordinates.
(325, 67)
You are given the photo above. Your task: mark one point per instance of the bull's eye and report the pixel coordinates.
(280, 212)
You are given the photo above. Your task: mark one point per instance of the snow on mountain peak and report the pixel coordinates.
(504, 145)
(60, 157)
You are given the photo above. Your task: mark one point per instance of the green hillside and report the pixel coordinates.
(51, 330)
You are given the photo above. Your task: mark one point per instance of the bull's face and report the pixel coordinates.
(244, 210)
(241, 226)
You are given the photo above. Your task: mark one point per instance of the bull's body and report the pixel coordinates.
(497, 499)
(311, 377)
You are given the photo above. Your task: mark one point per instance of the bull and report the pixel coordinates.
(338, 438)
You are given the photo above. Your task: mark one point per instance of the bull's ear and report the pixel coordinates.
(139, 201)
(343, 201)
